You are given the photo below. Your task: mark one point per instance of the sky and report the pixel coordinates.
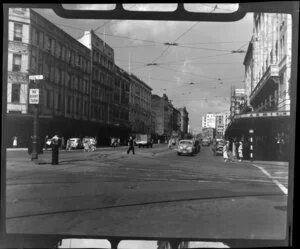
(202, 56)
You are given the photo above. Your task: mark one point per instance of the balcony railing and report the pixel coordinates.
(272, 71)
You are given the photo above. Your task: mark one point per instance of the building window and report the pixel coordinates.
(69, 105)
(15, 93)
(17, 62)
(48, 100)
(18, 32)
(58, 102)
(37, 38)
(48, 44)
(58, 50)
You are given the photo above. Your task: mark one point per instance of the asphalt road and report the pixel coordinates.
(152, 193)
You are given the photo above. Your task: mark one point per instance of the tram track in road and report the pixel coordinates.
(137, 180)
(142, 204)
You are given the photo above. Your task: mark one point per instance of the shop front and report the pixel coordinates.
(266, 135)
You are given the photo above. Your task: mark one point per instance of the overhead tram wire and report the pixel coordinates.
(203, 43)
(107, 22)
(184, 33)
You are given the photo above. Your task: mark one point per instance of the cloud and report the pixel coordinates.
(146, 30)
(89, 6)
(225, 8)
(150, 7)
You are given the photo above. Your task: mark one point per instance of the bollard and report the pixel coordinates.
(251, 144)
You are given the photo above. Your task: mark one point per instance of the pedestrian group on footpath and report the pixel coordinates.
(236, 153)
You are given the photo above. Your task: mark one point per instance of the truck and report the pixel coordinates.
(143, 140)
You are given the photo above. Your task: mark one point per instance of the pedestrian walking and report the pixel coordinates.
(68, 146)
(234, 148)
(170, 144)
(63, 143)
(15, 141)
(225, 151)
(86, 146)
(240, 151)
(56, 142)
(130, 146)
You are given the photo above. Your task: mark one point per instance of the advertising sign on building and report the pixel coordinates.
(34, 96)
(36, 77)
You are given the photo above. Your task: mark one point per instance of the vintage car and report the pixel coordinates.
(186, 147)
(205, 142)
(219, 147)
(76, 143)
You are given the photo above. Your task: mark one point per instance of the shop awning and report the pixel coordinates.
(258, 120)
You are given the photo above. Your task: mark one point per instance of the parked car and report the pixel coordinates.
(186, 147)
(76, 143)
(219, 147)
(143, 140)
(205, 142)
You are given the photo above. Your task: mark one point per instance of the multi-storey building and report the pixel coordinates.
(237, 101)
(140, 106)
(163, 116)
(167, 117)
(267, 77)
(38, 47)
(219, 125)
(176, 122)
(120, 107)
(209, 133)
(209, 121)
(222, 120)
(102, 77)
(184, 121)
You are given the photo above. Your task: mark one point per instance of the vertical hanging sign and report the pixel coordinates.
(34, 95)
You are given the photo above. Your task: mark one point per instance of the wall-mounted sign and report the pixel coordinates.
(34, 96)
(36, 77)
(263, 114)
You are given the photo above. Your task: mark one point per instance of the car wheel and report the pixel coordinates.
(178, 154)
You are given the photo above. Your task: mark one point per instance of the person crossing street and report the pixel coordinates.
(130, 146)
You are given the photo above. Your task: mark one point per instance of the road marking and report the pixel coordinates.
(279, 185)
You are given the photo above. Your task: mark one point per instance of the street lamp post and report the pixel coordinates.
(34, 101)
(34, 153)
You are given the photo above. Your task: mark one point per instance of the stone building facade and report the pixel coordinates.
(167, 117)
(38, 47)
(139, 106)
(266, 111)
(184, 120)
(83, 92)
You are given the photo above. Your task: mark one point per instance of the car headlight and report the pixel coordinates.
(180, 147)
(189, 148)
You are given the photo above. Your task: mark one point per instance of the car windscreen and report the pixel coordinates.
(186, 143)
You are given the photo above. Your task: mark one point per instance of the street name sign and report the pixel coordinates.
(34, 96)
(36, 77)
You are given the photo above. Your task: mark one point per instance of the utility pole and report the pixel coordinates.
(34, 101)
